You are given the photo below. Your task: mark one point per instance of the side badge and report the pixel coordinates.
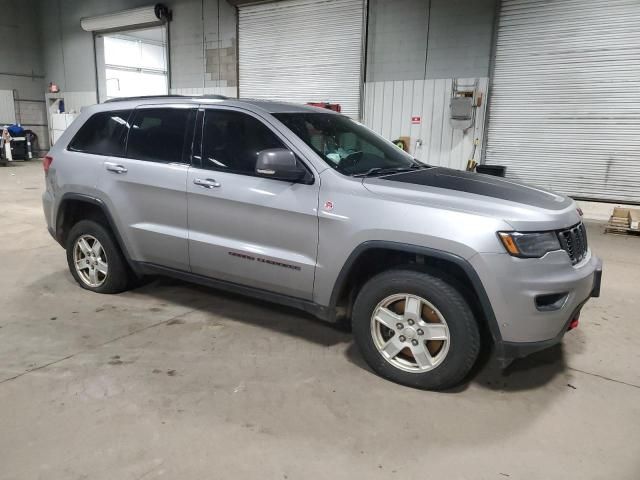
(328, 205)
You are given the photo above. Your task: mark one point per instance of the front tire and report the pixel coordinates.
(95, 260)
(415, 329)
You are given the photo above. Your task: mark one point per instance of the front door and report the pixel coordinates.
(243, 228)
(146, 187)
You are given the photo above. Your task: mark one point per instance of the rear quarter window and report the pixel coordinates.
(159, 134)
(103, 133)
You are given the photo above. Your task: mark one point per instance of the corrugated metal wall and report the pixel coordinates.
(389, 107)
(302, 51)
(565, 96)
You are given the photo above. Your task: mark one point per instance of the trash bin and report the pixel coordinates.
(495, 170)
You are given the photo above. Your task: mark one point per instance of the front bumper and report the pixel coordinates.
(509, 351)
(514, 286)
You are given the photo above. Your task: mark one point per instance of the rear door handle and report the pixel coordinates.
(206, 182)
(114, 167)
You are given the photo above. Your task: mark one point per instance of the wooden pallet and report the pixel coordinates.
(621, 221)
(608, 228)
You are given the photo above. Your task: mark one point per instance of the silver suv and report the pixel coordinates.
(308, 208)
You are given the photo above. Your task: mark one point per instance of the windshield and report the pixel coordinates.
(346, 145)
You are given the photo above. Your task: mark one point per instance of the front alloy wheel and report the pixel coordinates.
(410, 333)
(416, 328)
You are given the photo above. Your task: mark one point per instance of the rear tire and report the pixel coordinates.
(415, 329)
(95, 260)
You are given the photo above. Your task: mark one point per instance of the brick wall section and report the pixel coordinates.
(198, 64)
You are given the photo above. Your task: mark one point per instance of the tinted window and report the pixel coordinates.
(231, 141)
(158, 134)
(346, 145)
(103, 134)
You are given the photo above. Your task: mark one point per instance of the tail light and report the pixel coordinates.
(46, 163)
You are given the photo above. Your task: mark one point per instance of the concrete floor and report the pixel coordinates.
(182, 382)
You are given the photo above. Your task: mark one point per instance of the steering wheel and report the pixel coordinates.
(351, 160)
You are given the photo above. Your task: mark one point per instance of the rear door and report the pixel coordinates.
(243, 228)
(146, 186)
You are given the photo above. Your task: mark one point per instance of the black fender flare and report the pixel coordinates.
(467, 268)
(80, 197)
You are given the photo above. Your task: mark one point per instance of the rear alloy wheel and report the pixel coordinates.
(95, 260)
(90, 260)
(416, 329)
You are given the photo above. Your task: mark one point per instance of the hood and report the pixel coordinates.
(523, 206)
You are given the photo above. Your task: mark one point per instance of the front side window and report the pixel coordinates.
(232, 140)
(158, 134)
(347, 146)
(103, 134)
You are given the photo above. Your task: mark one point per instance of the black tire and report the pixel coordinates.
(118, 277)
(464, 331)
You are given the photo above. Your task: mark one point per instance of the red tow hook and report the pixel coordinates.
(574, 323)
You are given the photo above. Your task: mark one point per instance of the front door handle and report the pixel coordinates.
(114, 167)
(206, 182)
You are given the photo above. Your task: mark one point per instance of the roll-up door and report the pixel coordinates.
(134, 18)
(302, 51)
(564, 107)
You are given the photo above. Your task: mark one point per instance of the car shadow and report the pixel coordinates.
(529, 373)
(532, 372)
(282, 319)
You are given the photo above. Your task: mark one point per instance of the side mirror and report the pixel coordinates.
(280, 164)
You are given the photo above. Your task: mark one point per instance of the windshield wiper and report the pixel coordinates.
(384, 171)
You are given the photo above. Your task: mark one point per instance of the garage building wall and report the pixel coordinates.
(415, 51)
(418, 39)
(22, 67)
(201, 44)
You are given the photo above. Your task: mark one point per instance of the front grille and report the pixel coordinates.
(574, 241)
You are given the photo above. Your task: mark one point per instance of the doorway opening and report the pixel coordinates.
(132, 63)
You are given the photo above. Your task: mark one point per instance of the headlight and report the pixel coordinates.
(529, 245)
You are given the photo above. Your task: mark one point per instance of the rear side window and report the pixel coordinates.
(159, 134)
(103, 134)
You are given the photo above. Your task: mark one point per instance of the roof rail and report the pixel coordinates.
(148, 97)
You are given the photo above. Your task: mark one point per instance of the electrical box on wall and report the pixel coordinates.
(462, 107)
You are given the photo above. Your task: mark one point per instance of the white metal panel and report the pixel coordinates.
(73, 104)
(390, 105)
(302, 51)
(565, 96)
(7, 107)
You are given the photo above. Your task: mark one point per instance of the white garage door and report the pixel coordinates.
(302, 51)
(565, 96)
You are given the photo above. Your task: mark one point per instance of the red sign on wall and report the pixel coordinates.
(416, 120)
